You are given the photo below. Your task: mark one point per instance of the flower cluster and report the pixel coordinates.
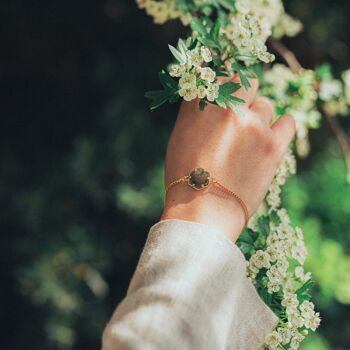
(196, 79)
(254, 22)
(294, 94)
(161, 11)
(288, 167)
(248, 33)
(277, 267)
(334, 93)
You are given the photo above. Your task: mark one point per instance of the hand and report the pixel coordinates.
(242, 152)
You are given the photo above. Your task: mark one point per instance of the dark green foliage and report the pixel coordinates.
(81, 176)
(168, 94)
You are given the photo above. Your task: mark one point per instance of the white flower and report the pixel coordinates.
(296, 340)
(265, 56)
(261, 259)
(283, 216)
(287, 26)
(187, 78)
(285, 232)
(206, 54)
(299, 253)
(188, 91)
(285, 334)
(212, 92)
(290, 301)
(299, 233)
(243, 6)
(253, 222)
(201, 91)
(273, 340)
(330, 89)
(307, 309)
(207, 74)
(273, 287)
(294, 318)
(282, 263)
(176, 70)
(313, 321)
(274, 252)
(299, 273)
(194, 58)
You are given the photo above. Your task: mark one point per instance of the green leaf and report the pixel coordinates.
(215, 30)
(221, 102)
(229, 88)
(167, 81)
(217, 60)
(265, 295)
(254, 234)
(169, 94)
(246, 237)
(263, 224)
(324, 71)
(244, 247)
(202, 105)
(207, 41)
(181, 58)
(198, 26)
(305, 287)
(182, 47)
(244, 73)
(158, 98)
(235, 99)
(244, 80)
(225, 97)
(227, 4)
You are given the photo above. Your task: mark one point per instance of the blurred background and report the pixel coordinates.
(81, 166)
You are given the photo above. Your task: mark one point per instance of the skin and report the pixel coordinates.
(242, 152)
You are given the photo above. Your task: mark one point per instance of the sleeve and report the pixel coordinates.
(189, 291)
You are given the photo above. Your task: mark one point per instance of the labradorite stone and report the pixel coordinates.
(199, 178)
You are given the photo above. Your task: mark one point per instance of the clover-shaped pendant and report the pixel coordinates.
(199, 178)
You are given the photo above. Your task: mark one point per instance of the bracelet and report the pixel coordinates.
(200, 179)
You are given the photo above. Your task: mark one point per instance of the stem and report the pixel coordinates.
(342, 138)
(286, 54)
(295, 66)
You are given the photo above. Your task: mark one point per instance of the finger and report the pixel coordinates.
(247, 95)
(284, 130)
(263, 108)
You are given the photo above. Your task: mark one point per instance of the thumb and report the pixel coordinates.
(284, 131)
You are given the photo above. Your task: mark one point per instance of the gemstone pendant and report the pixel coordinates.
(199, 179)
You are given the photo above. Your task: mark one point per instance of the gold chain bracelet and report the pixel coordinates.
(200, 179)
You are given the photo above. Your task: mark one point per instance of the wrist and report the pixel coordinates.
(207, 207)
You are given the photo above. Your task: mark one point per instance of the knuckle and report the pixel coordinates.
(269, 147)
(269, 104)
(263, 105)
(253, 127)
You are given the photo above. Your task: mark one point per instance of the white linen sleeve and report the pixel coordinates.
(189, 291)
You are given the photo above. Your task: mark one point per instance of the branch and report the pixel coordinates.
(295, 66)
(342, 138)
(286, 54)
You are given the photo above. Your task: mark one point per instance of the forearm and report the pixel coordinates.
(189, 291)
